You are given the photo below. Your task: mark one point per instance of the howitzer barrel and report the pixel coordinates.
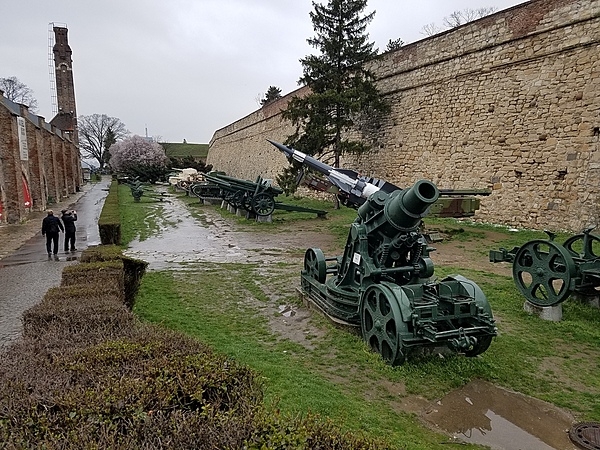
(406, 209)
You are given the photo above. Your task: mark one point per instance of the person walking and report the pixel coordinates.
(69, 218)
(51, 226)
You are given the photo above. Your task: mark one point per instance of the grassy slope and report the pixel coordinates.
(177, 150)
(220, 304)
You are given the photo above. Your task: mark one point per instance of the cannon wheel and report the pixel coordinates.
(315, 265)
(381, 323)
(238, 199)
(542, 271)
(247, 203)
(263, 204)
(483, 343)
(575, 246)
(228, 197)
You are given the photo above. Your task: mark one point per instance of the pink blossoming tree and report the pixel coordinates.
(139, 157)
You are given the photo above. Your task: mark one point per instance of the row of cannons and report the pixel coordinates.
(384, 283)
(257, 199)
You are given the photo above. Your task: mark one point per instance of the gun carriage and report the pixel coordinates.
(257, 197)
(547, 272)
(384, 282)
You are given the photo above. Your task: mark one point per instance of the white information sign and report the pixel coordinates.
(23, 149)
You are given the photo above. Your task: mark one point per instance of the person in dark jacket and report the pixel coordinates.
(51, 226)
(69, 218)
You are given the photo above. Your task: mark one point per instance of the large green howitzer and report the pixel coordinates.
(547, 273)
(384, 282)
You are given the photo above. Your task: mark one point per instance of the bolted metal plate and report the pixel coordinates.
(586, 435)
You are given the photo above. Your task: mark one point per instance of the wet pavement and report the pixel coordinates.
(27, 274)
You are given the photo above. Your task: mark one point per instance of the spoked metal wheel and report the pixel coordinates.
(237, 199)
(263, 204)
(247, 202)
(543, 271)
(381, 323)
(315, 265)
(583, 246)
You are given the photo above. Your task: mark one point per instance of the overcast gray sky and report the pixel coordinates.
(184, 68)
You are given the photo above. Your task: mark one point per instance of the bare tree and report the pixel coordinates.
(97, 133)
(431, 29)
(458, 18)
(18, 92)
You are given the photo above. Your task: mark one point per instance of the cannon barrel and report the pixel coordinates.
(406, 209)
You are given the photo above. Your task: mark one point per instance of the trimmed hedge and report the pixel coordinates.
(88, 374)
(109, 222)
(155, 389)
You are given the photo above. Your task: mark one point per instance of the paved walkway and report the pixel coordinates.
(26, 274)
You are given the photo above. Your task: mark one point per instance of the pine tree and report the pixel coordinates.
(272, 94)
(342, 89)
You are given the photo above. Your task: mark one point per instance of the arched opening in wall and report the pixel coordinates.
(27, 202)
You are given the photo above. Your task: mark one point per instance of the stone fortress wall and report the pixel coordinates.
(509, 102)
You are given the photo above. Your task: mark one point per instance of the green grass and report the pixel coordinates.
(229, 306)
(143, 219)
(179, 150)
(212, 305)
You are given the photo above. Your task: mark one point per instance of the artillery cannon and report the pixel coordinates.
(384, 282)
(547, 273)
(353, 189)
(257, 197)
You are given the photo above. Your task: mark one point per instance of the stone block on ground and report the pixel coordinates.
(551, 313)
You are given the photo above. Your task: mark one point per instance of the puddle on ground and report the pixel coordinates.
(213, 239)
(482, 413)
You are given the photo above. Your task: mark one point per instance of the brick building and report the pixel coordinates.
(39, 161)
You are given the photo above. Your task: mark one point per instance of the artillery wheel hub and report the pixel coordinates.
(378, 325)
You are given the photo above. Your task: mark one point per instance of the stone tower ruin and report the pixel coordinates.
(66, 119)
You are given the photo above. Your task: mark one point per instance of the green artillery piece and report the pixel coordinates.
(137, 191)
(384, 282)
(547, 273)
(256, 197)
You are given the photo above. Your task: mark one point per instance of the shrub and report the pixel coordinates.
(155, 389)
(109, 225)
(78, 320)
(97, 253)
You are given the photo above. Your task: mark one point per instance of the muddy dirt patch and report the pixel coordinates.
(485, 414)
